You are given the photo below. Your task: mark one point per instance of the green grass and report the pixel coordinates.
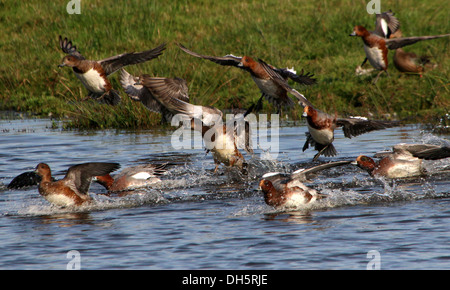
(312, 35)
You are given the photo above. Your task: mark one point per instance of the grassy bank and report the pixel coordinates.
(305, 34)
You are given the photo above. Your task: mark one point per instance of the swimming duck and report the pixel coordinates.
(287, 190)
(401, 162)
(132, 177)
(72, 190)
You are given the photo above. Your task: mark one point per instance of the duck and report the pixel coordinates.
(404, 161)
(321, 128)
(376, 47)
(269, 90)
(283, 190)
(137, 91)
(321, 125)
(409, 62)
(132, 178)
(93, 74)
(386, 24)
(73, 189)
(223, 139)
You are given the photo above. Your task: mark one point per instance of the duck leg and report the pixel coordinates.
(319, 153)
(378, 75)
(364, 61)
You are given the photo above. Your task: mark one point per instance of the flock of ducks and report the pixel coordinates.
(170, 98)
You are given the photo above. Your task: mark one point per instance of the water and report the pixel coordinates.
(198, 220)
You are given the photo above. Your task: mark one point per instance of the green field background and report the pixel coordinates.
(309, 35)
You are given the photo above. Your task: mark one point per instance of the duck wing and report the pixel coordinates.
(28, 178)
(386, 24)
(159, 88)
(281, 81)
(114, 63)
(302, 174)
(394, 43)
(138, 92)
(170, 87)
(80, 175)
(433, 153)
(302, 78)
(68, 48)
(355, 126)
(227, 60)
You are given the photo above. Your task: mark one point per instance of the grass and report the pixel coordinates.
(312, 35)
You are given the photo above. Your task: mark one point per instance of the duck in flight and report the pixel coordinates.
(321, 125)
(223, 139)
(269, 90)
(93, 74)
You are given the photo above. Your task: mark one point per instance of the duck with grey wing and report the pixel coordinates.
(131, 178)
(138, 91)
(94, 74)
(283, 190)
(321, 126)
(223, 139)
(376, 47)
(270, 90)
(386, 24)
(404, 161)
(409, 62)
(72, 190)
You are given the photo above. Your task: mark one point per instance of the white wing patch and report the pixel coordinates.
(142, 175)
(231, 55)
(292, 70)
(359, 118)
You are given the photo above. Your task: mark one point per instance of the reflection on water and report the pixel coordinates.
(67, 219)
(219, 220)
(298, 217)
